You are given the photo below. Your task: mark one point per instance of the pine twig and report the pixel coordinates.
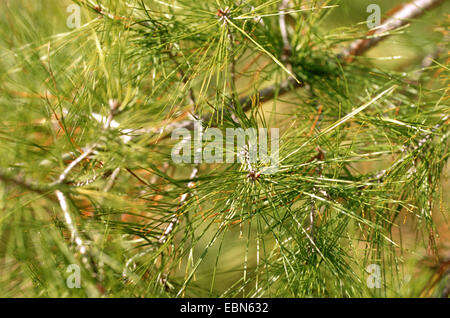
(62, 197)
(400, 17)
(23, 183)
(73, 164)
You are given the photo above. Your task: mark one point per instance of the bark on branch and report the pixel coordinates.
(399, 17)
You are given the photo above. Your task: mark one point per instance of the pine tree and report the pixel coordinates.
(92, 203)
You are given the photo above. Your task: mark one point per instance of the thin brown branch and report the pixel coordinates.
(399, 17)
(23, 183)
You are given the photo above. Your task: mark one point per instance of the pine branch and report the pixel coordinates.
(23, 183)
(399, 17)
(82, 247)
